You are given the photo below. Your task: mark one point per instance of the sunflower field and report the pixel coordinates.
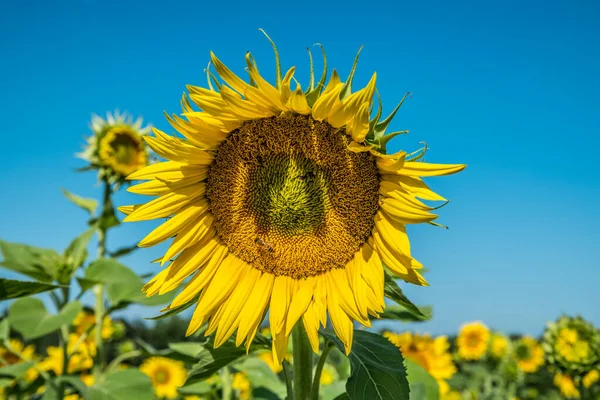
(287, 221)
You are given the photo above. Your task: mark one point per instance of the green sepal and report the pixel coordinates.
(211, 77)
(313, 94)
(393, 292)
(347, 88)
(278, 76)
(380, 127)
(311, 79)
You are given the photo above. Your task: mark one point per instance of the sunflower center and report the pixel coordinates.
(124, 147)
(290, 198)
(161, 376)
(523, 352)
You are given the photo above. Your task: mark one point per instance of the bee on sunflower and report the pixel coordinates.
(281, 199)
(116, 148)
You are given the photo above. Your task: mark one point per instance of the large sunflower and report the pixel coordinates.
(282, 200)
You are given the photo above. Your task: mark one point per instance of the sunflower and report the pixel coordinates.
(86, 319)
(472, 341)
(591, 377)
(431, 354)
(242, 385)
(81, 353)
(572, 345)
(529, 354)
(166, 375)
(282, 200)
(499, 345)
(328, 375)
(116, 148)
(16, 353)
(566, 385)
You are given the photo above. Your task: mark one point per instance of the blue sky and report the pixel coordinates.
(510, 88)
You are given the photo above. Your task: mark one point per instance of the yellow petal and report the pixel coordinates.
(311, 326)
(342, 324)
(345, 111)
(326, 102)
(176, 149)
(286, 92)
(243, 109)
(414, 185)
(184, 217)
(359, 127)
(154, 171)
(297, 102)
(390, 189)
(254, 309)
(195, 258)
(411, 168)
(400, 211)
(190, 235)
(167, 204)
(230, 318)
(229, 77)
(300, 302)
(338, 286)
(265, 87)
(202, 277)
(159, 187)
(280, 302)
(129, 209)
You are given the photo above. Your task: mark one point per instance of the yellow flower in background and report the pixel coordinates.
(116, 147)
(499, 345)
(567, 386)
(241, 383)
(472, 341)
(281, 201)
(591, 377)
(267, 357)
(529, 354)
(328, 375)
(569, 345)
(166, 375)
(87, 379)
(431, 354)
(81, 354)
(16, 353)
(86, 319)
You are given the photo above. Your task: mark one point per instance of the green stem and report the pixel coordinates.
(288, 380)
(125, 356)
(99, 289)
(226, 383)
(314, 394)
(302, 352)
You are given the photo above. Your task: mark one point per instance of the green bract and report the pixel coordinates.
(572, 345)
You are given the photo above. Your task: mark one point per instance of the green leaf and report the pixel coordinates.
(4, 330)
(333, 390)
(11, 289)
(400, 313)
(260, 375)
(89, 205)
(40, 264)
(129, 384)
(423, 386)
(393, 292)
(123, 251)
(76, 253)
(191, 349)
(211, 360)
(196, 388)
(122, 284)
(16, 370)
(30, 317)
(378, 370)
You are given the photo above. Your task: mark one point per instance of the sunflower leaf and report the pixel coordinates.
(423, 386)
(89, 205)
(76, 253)
(11, 289)
(392, 291)
(129, 384)
(377, 367)
(16, 370)
(400, 313)
(40, 264)
(30, 317)
(4, 330)
(210, 360)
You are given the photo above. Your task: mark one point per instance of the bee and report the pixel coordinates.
(264, 245)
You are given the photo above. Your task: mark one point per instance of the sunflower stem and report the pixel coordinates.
(99, 289)
(226, 382)
(314, 394)
(302, 352)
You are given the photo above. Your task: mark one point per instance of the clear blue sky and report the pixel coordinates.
(510, 88)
